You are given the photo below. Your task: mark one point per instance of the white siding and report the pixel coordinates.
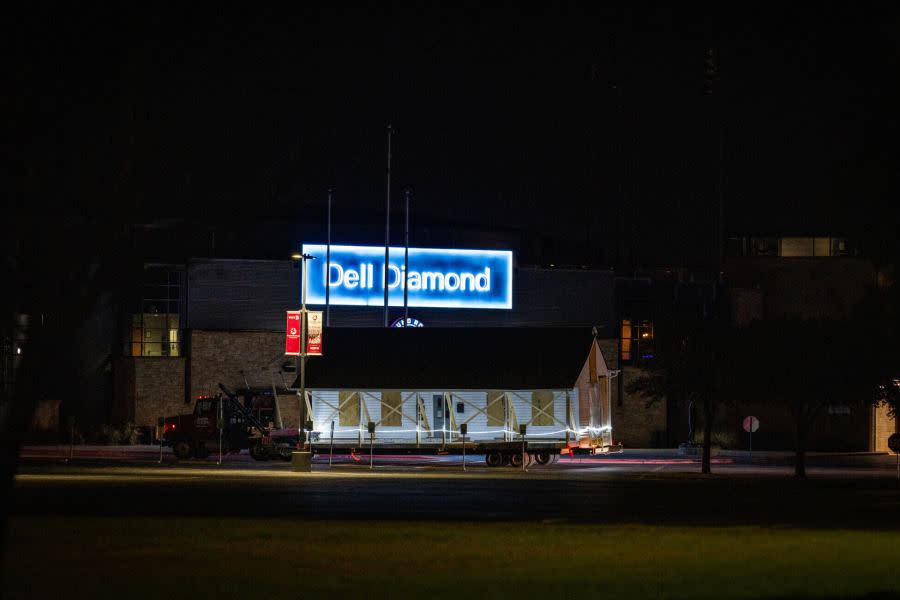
(325, 403)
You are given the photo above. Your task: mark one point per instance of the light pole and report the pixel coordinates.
(301, 359)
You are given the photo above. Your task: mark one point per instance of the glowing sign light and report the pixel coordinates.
(410, 322)
(438, 278)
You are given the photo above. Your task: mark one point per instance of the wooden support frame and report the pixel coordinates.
(540, 410)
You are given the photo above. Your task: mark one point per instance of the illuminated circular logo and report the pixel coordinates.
(410, 322)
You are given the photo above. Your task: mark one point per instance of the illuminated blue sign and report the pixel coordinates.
(410, 322)
(437, 278)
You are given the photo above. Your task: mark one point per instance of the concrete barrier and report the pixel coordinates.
(301, 461)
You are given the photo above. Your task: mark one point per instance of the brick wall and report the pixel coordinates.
(636, 424)
(159, 389)
(222, 356)
(148, 387)
(882, 428)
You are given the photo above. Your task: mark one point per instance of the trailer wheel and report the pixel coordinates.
(543, 457)
(515, 459)
(259, 452)
(181, 449)
(494, 458)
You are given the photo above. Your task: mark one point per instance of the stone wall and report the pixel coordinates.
(148, 387)
(883, 425)
(236, 359)
(636, 424)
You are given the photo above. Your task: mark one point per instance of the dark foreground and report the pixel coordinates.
(417, 531)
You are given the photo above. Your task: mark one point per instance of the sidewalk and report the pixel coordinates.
(92, 451)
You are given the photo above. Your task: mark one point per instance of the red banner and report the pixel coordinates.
(314, 333)
(292, 339)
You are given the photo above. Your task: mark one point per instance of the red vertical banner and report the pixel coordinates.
(292, 337)
(314, 333)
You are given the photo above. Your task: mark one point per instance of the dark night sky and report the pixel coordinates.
(561, 120)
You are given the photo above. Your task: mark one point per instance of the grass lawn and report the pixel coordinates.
(199, 558)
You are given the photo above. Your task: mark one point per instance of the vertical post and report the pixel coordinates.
(463, 430)
(331, 447)
(751, 445)
(220, 421)
(302, 345)
(406, 267)
(522, 429)
(328, 267)
(444, 419)
(387, 225)
(359, 433)
(72, 438)
(568, 422)
(418, 416)
(371, 445)
(160, 427)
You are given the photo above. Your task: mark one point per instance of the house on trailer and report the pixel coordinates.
(419, 385)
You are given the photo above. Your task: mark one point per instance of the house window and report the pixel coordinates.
(636, 337)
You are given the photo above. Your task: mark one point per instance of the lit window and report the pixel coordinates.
(155, 324)
(635, 337)
(797, 246)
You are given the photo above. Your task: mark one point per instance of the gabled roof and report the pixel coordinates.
(449, 359)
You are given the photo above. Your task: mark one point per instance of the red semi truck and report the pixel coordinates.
(247, 424)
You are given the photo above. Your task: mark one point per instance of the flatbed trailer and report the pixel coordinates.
(496, 453)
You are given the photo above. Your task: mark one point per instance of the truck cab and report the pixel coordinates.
(197, 433)
(246, 421)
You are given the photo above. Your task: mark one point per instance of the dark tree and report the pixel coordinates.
(696, 360)
(808, 366)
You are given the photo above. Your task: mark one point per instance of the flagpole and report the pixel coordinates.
(406, 267)
(328, 267)
(387, 224)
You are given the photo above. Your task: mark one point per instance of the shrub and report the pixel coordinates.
(722, 439)
(131, 434)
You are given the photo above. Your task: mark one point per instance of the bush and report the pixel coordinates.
(131, 434)
(128, 434)
(722, 439)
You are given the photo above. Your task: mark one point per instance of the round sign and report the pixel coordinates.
(894, 442)
(410, 322)
(751, 424)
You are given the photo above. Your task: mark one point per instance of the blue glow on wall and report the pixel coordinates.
(438, 278)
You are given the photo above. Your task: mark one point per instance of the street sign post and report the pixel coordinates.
(160, 427)
(463, 430)
(522, 430)
(371, 445)
(751, 424)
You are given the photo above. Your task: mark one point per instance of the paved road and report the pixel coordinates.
(852, 492)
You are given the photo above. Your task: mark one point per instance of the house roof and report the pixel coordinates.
(449, 358)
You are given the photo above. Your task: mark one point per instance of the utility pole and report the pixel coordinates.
(301, 261)
(387, 224)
